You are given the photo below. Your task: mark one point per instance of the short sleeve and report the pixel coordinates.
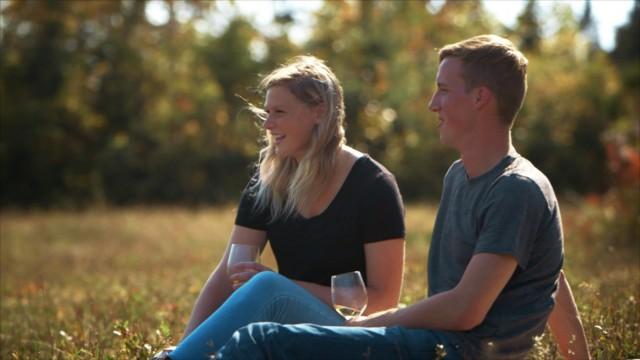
(382, 210)
(511, 219)
(247, 215)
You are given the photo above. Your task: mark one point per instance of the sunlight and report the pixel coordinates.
(157, 12)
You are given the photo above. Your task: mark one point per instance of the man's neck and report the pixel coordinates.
(485, 154)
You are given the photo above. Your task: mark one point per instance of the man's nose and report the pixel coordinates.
(432, 105)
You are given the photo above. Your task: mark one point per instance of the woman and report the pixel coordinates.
(325, 208)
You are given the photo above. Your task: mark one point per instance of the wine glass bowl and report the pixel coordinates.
(349, 294)
(242, 253)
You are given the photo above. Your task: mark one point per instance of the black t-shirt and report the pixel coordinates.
(367, 208)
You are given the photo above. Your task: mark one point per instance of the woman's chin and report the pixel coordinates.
(282, 153)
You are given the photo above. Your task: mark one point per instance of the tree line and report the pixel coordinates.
(101, 105)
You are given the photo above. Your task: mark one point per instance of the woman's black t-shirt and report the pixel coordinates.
(367, 208)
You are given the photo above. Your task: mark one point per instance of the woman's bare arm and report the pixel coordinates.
(385, 263)
(218, 287)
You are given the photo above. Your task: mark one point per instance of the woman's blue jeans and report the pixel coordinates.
(268, 296)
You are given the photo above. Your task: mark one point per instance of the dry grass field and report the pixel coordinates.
(120, 283)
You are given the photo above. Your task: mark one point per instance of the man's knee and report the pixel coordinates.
(261, 330)
(249, 342)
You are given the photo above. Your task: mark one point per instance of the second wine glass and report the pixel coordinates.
(349, 294)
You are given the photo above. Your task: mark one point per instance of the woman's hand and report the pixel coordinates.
(382, 318)
(242, 272)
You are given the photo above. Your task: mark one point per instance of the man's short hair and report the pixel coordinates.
(494, 62)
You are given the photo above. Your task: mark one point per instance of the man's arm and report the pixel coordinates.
(461, 308)
(566, 325)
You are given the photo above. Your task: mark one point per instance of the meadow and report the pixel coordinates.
(120, 283)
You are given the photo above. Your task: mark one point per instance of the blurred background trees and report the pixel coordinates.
(99, 104)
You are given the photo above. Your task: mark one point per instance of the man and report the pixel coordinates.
(496, 253)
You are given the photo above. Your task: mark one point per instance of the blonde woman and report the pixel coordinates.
(324, 207)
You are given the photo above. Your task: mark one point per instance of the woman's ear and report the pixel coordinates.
(318, 112)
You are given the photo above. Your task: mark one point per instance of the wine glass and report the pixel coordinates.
(348, 294)
(242, 253)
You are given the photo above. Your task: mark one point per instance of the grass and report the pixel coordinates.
(120, 283)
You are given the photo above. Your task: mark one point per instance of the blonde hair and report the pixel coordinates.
(496, 63)
(287, 186)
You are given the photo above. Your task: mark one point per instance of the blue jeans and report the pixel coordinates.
(288, 342)
(268, 296)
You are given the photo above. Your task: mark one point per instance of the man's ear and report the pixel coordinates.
(482, 96)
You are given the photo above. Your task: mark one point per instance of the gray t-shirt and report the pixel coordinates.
(511, 210)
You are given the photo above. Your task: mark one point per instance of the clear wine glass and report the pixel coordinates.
(242, 253)
(348, 294)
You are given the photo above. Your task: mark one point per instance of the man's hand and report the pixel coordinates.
(382, 318)
(242, 272)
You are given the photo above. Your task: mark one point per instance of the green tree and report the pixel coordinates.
(627, 52)
(589, 28)
(562, 133)
(528, 28)
(48, 139)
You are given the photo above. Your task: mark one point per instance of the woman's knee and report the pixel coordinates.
(268, 281)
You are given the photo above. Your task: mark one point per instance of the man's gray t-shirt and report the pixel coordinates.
(510, 210)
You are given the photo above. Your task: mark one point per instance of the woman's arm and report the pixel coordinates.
(385, 265)
(385, 262)
(566, 325)
(218, 287)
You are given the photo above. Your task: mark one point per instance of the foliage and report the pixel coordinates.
(528, 28)
(120, 283)
(99, 105)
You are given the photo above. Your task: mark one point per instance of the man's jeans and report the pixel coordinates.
(268, 296)
(291, 342)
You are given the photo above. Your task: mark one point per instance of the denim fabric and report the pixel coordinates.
(268, 296)
(288, 342)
